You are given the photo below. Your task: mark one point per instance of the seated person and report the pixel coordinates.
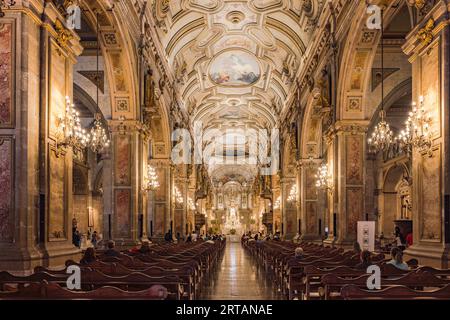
(356, 248)
(111, 252)
(89, 256)
(397, 259)
(298, 253)
(145, 247)
(409, 239)
(296, 239)
(366, 260)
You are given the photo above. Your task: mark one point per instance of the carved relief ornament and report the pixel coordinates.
(426, 33)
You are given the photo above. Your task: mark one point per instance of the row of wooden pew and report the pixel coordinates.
(330, 273)
(168, 271)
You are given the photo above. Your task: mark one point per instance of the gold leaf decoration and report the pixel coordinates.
(426, 34)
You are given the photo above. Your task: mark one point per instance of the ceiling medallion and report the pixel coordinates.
(235, 68)
(235, 17)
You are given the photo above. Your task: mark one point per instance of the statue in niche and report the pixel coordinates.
(404, 192)
(149, 97)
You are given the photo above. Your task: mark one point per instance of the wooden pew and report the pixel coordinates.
(53, 291)
(332, 284)
(353, 292)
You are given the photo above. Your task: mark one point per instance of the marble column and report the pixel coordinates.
(35, 172)
(125, 172)
(180, 209)
(311, 209)
(161, 204)
(428, 46)
(288, 208)
(348, 165)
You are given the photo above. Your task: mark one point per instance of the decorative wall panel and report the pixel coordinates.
(57, 197)
(6, 187)
(431, 87)
(354, 208)
(122, 163)
(57, 85)
(430, 212)
(123, 213)
(354, 159)
(310, 183)
(158, 219)
(6, 79)
(311, 217)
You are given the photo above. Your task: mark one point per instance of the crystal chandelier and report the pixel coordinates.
(99, 138)
(178, 195)
(151, 181)
(382, 136)
(293, 194)
(70, 123)
(6, 4)
(324, 179)
(277, 203)
(417, 133)
(191, 204)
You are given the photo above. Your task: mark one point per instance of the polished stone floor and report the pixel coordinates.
(238, 277)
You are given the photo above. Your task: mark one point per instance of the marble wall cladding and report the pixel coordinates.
(310, 183)
(81, 212)
(158, 219)
(122, 163)
(122, 213)
(430, 188)
(178, 219)
(291, 221)
(357, 77)
(160, 193)
(97, 207)
(354, 209)
(6, 40)
(6, 184)
(311, 217)
(354, 159)
(119, 73)
(57, 197)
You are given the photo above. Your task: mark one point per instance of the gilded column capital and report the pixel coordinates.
(124, 126)
(351, 127)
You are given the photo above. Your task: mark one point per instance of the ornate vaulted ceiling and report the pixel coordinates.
(235, 61)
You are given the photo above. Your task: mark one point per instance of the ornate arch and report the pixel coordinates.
(119, 56)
